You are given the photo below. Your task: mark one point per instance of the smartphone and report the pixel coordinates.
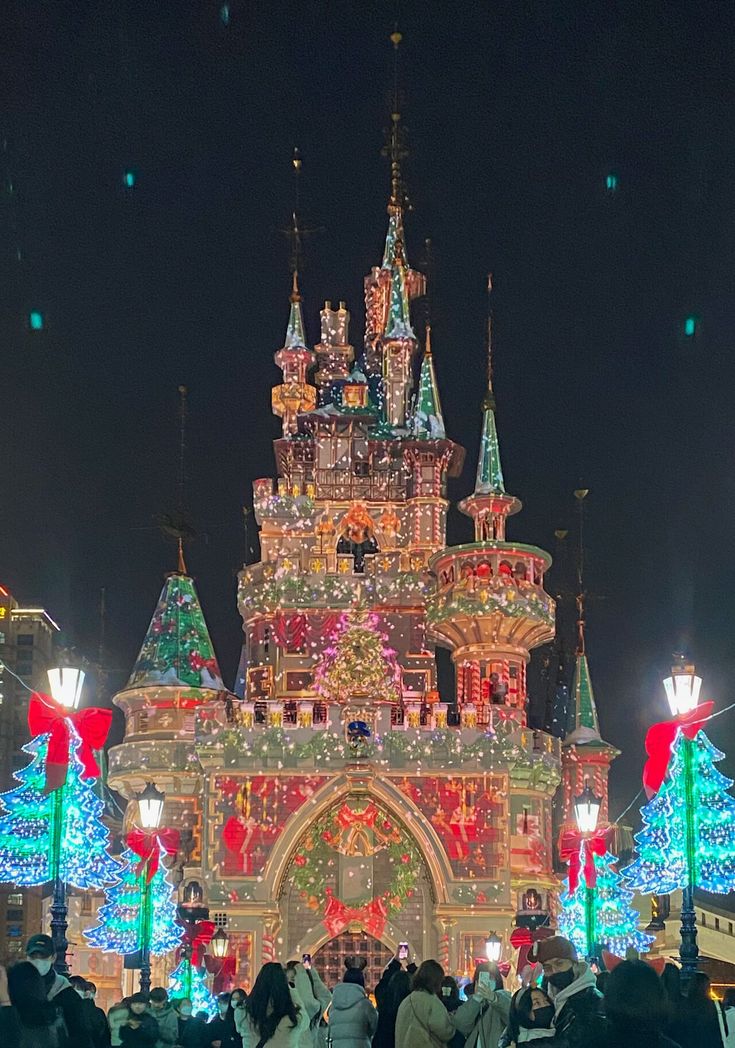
(402, 951)
(306, 960)
(485, 979)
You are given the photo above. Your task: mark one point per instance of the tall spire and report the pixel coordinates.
(428, 423)
(396, 151)
(584, 725)
(295, 332)
(398, 322)
(489, 480)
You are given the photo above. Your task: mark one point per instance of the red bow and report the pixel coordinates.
(660, 739)
(197, 936)
(372, 916)
(148, 848)
(92, 725)
(580, 853)
(346, 817)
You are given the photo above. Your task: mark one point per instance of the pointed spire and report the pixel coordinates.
(177, 650)
(489, 480)
(395, 149)
(398, 322)
(428, 423)
(182, 563)
(295, 332)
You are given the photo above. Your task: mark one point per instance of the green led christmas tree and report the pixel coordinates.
(616, 922)
(187, 981)
(121, 918)
(177, 649)
(359, 661)
(427, 422)
(662, 865)
(27, 827)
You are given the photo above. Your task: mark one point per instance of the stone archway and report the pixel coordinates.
(330, 957)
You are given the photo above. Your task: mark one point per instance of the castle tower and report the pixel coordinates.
(295, 359)
(176, 672)
(586, 757)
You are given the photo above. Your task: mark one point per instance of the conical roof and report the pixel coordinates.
(489, 480)
(295, 332)
(428, 423)
(177, 650)
(398, 322)
(583, 712)
(393, 237)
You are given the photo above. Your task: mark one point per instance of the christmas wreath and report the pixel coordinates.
(336, 834)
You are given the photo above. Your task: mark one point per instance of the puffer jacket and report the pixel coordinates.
(578, 1015)
(423, 1022)
(352, 1018)
(482, 1021)
(116, 1018)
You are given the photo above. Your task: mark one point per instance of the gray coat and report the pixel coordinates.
(352, 1018)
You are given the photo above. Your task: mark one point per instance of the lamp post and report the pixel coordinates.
(65, 685)
(150, 810)
(682, 690)
(493, 947)
(586, 812)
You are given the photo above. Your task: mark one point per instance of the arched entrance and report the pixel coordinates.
(330, 958)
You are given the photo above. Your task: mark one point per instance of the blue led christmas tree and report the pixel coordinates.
(72, 813)
(665, 851)
(121, 928)
(616, 922)
(188, 981)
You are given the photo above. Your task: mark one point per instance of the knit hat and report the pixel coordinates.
(556, 947)
(354, 975)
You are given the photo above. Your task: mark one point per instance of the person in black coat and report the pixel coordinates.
(40, 952)
(221, 1030)
(570, 984)
(396, 991)
(96, 1019)
(388, 972)
(192, 1032)
(636, 1009)
(697, 1024)
(27, 1019)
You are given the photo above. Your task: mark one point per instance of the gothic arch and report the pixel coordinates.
(390, 797)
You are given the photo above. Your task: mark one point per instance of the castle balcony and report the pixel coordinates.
(173, 766)
(490, 597)
(290, 505)
(329, 580)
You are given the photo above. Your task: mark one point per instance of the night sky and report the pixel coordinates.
(516, 115)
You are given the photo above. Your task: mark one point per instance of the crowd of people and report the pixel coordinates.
(563, 1003)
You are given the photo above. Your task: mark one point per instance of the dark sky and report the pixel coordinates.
(516, 114)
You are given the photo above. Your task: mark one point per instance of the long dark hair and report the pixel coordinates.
(429, 977)
(28, 995)
(270, 1001)
(635, 998)
(398, 990)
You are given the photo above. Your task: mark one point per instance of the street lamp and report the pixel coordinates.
(65, 685)
(682, 691)
(150, 810)
(586, 812)
(219, 944)
(493, 947)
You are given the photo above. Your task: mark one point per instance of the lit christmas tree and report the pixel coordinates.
(661, 864)
(186, 980)
(616, 922)
(177, 648)
(359, 661)
(121, 918)
(427, 422)
(27, 827)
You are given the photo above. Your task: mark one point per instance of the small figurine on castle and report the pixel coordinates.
(358, 734)
(357, 535)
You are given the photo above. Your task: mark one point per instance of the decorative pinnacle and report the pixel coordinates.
(295, 293)
(395, 131)
(580, 495)
(182, 563)
(427, 345)
(488, 402)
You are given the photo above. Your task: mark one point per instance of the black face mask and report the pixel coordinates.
(542, 1017)
(560, 980)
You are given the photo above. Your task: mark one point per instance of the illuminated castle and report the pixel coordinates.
(341, 804)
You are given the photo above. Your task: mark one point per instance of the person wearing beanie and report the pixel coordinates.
(572, 987)
(352, 1017)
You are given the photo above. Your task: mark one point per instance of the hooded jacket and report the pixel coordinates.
(577, 1009)
(423, 1022)
(352, 1018)
(482, 1021)
(168, 1024)
(65, 997)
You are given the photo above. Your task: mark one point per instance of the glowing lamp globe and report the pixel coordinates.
(587, 810)
(493, 947)
(682, 688)
(66, 686)
(150, 807)
(219, 944)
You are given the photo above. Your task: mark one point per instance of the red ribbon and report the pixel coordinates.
(92, 725)
(372, 916)
(148, 848)
(346, 817)
(580, 853)
(197, 936)
(660, 740)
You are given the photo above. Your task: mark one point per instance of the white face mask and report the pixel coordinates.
(42, 964)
